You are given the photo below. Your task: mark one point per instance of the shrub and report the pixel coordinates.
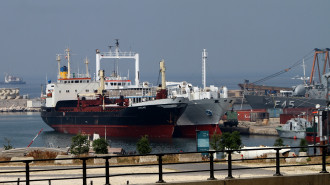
(215, 141)
(143, 146)
(8, 146)
(100, 146)
(230, 141)
(303, 143)
(80, 144)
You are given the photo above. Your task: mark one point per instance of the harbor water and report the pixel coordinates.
(21, 128)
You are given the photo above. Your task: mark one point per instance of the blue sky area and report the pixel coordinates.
(244, 39)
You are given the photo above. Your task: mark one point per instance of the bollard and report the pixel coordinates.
(211, 167)
(230, 176)
(107, 176)
(324, 162)
(277, 173)
(18, 181)
(91, 182)
(49, 183)
(27, 172)
(160, 169)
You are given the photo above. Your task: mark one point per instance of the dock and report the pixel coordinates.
(254, 128)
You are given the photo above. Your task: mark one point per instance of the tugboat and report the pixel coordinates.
(76, 104)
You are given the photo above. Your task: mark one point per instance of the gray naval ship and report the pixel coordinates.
(300, 96)
(308, 94)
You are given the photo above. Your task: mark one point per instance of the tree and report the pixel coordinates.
(100, 146)
(215, 141)
(231, 141)
(278, 142)
(227, 140)
(80, 144)
(143, 146)
(8, 146)
(303, 143)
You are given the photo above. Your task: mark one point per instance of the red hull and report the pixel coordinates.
(190, 130)
(161, 131)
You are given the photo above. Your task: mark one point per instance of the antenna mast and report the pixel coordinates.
(204, 56)
(86, 62)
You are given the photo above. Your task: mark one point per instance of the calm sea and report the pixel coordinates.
(21, 128)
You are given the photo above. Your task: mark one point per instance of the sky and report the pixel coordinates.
(244, 39)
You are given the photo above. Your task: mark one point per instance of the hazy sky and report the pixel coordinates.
(244, 39)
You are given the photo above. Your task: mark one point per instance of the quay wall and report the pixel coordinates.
(312, 179)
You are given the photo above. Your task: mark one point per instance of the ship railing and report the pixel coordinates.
(118, 54)
(212, 166)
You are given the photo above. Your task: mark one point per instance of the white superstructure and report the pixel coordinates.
(119, 55)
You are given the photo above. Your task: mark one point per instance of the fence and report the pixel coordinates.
(210, 159)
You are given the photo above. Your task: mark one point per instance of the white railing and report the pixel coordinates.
(118, 54)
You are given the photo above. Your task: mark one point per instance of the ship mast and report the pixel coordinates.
(68, 57)
(162, 71)
(58, 59)
(162, 92)
(204, 56)
(86, 62)
(101, 87)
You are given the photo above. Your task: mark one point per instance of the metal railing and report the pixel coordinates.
(210, 159)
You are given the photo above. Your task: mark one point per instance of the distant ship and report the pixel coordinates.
(10, 79)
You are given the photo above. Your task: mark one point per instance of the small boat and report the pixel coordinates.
(294, 128)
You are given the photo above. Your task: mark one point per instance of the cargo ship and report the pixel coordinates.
(308, 94)
(205, 107)
(10, 79)
(78, 104)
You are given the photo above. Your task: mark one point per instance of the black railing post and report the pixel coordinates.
(18, 181)
(160, 168)
(230, 175)
(107, 176)
(277, 173)
(211, 167)
(324, 162)
(27, 172)
(84, 171)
